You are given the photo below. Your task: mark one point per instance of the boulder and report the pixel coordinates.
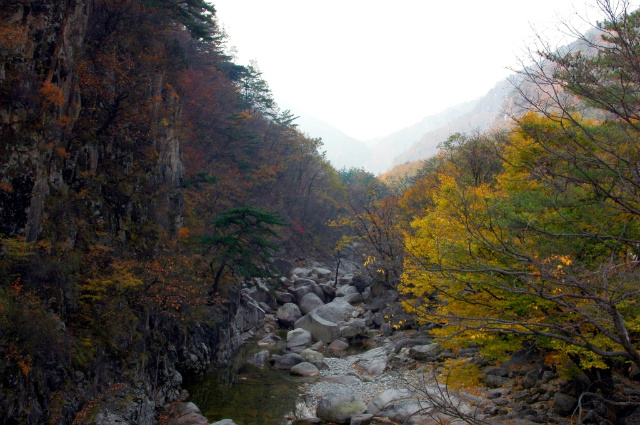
(298, 339)
(338, 345)
(497, 371)
(192, 418)
(372, 362)
(348, 380)
(258, 294)
(288, 314)
(301, 282)
(353, 298)
(382, 301)
(361, 282)
(353, 328)
(305, 369)
(307, 289)
(385, 399)
(338, 310)
(284, 297)
(564, 404)
(363, 419)
(321, 272)
(368, 318)
(269, 340)
(408, 411)
(339, 406)
(346, 290)
(306, 421)
(311, 356)
(284, 267)
(300, 272)
(309, 303)
(186, 408)
(224, 422)
(426, 352)
(260, 359)
(321, 329)
(345, 280)
(286, 361)
(366, 295)
(329, 292)
(315, 358)
(494, 381)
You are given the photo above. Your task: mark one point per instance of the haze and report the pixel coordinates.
(372, 67)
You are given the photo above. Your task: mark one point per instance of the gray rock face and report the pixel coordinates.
(321, 329)
(305, 369)
(288, 314)
(224, 422)
(309, 303)
(339, 406)
(126, 405)
(373, 362)
(298, 339)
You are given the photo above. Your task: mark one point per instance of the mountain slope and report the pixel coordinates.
(394, 144)
(342, 151)
(486, 113)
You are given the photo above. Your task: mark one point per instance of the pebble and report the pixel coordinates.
(366, 389)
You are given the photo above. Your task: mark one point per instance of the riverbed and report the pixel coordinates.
(248, 394)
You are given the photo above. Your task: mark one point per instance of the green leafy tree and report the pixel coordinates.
(243, 242)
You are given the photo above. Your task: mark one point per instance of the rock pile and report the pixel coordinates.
(393, 379)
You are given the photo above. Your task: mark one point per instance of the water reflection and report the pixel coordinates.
(247, 394)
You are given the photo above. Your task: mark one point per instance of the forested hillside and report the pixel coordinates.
(142, 172)
(527, 238)
(145, 177)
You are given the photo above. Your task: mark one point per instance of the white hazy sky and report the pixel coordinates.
(371, 67)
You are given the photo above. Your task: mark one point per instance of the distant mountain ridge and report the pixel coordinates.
(342, 150)
(387, 148)
(487, 112)
(420, 141)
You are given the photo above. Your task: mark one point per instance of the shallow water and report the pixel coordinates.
(247, 394)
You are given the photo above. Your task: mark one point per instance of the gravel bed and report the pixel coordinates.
(366, 387)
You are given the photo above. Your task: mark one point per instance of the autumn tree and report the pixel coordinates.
(547, 253)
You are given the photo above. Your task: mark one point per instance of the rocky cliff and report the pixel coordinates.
(91, 185)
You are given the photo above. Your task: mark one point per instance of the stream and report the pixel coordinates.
(248, 394)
